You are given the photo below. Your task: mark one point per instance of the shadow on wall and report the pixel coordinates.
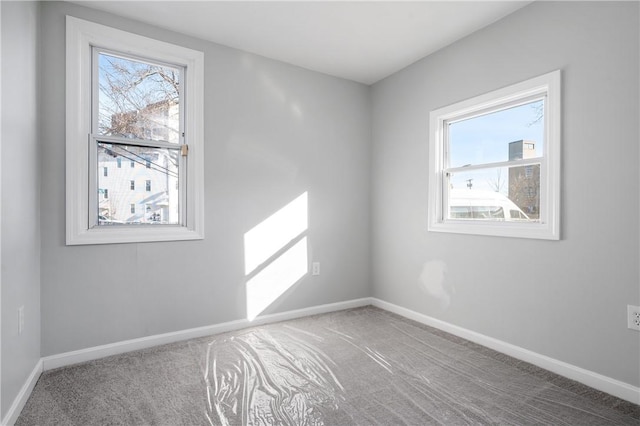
(432, 282)
(275, 255)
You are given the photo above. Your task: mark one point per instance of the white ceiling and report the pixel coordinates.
(364, 41)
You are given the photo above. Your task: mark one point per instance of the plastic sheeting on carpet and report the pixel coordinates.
(362, 366)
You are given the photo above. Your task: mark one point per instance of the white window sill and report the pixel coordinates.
(498, 229)
(112, 234)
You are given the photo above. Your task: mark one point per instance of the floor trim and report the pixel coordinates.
(597, 381)
(96, 352)
(22, 397)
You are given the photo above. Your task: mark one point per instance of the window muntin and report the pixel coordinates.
(84, 40)
(495, 162)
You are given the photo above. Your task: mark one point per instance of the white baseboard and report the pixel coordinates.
(18, 403)
(88, 354)
(597, 381)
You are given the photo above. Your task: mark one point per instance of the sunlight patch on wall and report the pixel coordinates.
(275, 254)
(272, 234)
(265, 288)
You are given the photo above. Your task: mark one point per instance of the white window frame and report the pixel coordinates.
(548, 227)
(81, 37)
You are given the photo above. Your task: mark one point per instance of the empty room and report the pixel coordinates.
(320, 213)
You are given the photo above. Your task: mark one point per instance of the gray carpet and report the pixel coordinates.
(361, 366)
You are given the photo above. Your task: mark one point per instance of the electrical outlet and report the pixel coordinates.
(633, 317)
(20, 319)
(315, 268)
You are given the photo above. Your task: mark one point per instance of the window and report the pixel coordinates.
(150, 123)
(105, 193)
(528, 172)
(133, 208)
(497, 153)
(105, 171)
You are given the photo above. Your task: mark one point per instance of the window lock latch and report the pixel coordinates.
(184, 150)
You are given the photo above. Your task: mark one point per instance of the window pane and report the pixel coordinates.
(138, 99)
(158, 203)
(506, 193)
(511, 134)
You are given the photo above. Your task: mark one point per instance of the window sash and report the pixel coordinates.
(95, 89)
(495, 107)
(446, 191)
(94, 202)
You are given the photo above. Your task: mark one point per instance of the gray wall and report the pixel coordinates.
(272, 131)
(20, 197)
(565, 299)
